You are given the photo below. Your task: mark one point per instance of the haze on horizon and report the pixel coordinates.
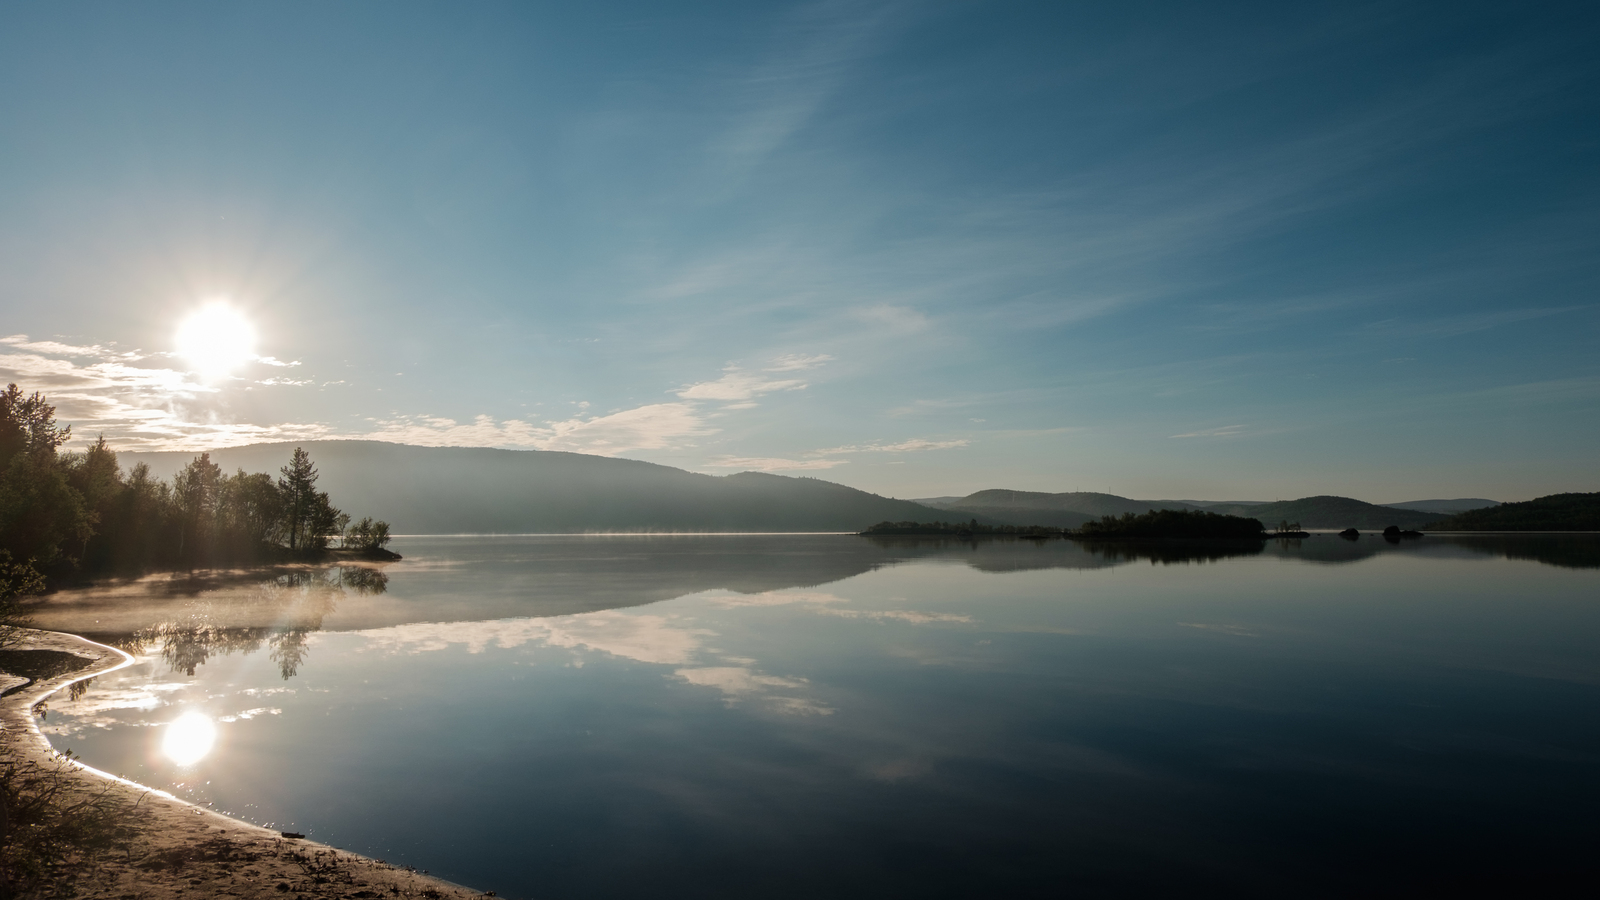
(921, 249)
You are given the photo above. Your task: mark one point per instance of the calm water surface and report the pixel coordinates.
(813, 715)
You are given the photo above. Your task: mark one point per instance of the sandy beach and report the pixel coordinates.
(165, 847)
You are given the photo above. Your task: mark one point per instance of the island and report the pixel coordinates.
(1172, 523)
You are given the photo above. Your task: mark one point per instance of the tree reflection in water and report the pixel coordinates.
(299, 601)
(1175, 552)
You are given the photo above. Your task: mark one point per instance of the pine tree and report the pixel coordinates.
(299, 488)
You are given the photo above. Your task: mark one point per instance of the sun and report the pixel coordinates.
(189, 738)
(216, 339)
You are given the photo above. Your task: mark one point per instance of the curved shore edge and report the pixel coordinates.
(181, 849)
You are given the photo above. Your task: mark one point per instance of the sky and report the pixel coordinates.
(1220, 251)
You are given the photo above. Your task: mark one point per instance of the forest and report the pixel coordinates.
(64, 512)
(1172, 523)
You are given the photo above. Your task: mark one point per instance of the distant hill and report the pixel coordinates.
(459, 490)
(1331, 512)
(1072, 510)
(1211, 504)
(1066, 510)
(1445, 507)
(936, 502)
(1557, 512)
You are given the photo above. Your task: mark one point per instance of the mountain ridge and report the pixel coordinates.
(1444, 507)
(480, 490)
(1073, 509)
(1554, 512)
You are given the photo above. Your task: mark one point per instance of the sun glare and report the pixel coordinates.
(189, 738)
(216, 339)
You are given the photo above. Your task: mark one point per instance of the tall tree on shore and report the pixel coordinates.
(310, 516)
(41, 517)
(299, 489)
(196, 491)
(254, 510)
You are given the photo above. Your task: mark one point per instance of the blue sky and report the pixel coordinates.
(918, 248)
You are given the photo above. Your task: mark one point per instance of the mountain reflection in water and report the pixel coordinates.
(191, 618)
(710, 716)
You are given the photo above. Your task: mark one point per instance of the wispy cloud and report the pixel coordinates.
(795, 362)
(736, 384)
(901, 319)
(770, 464)
(146, 406)
(914, 445)
(817, 459)
(1223, 431)
(138, 407)
(657, 426)
(56, 348)
(777, 99)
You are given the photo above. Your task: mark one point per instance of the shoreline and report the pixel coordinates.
(178, 849)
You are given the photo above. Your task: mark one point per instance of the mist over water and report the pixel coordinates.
(832, 715)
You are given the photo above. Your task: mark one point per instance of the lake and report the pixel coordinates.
(814, 715)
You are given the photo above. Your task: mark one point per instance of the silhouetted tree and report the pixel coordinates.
(298, 485)
(59, 510)
(41, 516)
(368, 534)
(196, 491)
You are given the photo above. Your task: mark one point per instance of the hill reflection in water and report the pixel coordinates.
(190, 618)
(521, 713)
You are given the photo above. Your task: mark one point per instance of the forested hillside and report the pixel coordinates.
(1066, 510)
(453, 490)
(1557, 512)
(1074, 509)
(1332, 512)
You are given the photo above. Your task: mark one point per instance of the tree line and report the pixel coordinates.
(79, 511)
(1171, 523)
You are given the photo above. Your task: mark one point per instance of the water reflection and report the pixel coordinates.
(293, 603)
(1571, 551)
(189, 738)
(1275, 719)
(1176, 552)
(191, 619)
(1574, 551)
(1019, 555)
(1567, 551)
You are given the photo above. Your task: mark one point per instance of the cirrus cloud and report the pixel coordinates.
(912, 446)
(770, 464)
(736, 384)
(654, 427)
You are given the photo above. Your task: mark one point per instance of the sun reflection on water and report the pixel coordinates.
(189, 738)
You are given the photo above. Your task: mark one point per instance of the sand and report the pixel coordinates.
(181, 850)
